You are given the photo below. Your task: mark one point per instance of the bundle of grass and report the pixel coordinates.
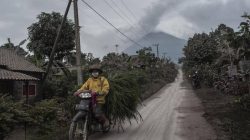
(123, 99)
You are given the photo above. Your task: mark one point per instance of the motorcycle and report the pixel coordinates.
(84, 122)
(196, 81)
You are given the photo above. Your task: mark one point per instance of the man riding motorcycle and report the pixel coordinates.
(195, 80)
(99, 86)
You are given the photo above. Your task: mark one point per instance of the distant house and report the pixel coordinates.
(18, 76)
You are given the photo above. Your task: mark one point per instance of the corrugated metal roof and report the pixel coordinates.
(15, 62)
(10, 75)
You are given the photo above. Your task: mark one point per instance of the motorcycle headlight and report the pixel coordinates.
(85, 95)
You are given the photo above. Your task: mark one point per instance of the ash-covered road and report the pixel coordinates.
(174, 113)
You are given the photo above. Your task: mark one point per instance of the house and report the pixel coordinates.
(18, 76)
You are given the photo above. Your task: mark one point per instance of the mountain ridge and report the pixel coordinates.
(168, 44)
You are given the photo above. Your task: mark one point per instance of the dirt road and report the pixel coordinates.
(174, 113)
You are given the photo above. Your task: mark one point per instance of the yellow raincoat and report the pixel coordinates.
(99, 85)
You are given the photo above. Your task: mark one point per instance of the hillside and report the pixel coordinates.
(167, 44)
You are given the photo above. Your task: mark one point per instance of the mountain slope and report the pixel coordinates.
(167, 44)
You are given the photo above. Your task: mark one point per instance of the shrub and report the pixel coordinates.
(12, 114)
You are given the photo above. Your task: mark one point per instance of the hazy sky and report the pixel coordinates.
(181, 18)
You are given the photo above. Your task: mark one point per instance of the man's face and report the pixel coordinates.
(95, 73)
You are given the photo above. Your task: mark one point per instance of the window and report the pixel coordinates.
(32, 90)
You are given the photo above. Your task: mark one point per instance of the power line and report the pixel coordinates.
(124, 13)
(111, 23)
(101, 24)
(117, 13)
(121, 11)
(135, 18)
(124, 16)
(130, 11)
(134, 32)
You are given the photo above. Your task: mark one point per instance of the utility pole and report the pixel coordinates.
(164, 55)
(59, 32)
(77, 41)
(116, 48)
(157, 47)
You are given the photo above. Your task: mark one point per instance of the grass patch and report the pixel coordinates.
(226, 114)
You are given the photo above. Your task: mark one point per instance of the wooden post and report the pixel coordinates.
(51, 58)
(27, 105)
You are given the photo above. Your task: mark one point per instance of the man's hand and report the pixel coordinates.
(96, 93)
(77, 93)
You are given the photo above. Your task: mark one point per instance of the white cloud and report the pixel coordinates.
(178, 26)
(3, 25)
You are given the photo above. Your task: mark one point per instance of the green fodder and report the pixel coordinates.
(123, 99)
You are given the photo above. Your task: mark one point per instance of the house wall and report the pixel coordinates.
(6, 87)
(18, 90)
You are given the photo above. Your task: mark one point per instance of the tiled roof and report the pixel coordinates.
(10, 75)
(15, 62)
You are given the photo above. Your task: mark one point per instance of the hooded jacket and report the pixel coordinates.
(99, 85)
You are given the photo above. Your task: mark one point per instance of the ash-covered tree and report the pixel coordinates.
(114, 62)
(146, 56)
(42, 35)
(200, 49)
(245, 29)
(243, 36)
(226, 44)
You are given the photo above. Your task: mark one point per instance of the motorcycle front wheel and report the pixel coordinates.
(79, 130)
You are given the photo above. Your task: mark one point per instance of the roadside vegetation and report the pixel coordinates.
(221, 58)
(132, 79)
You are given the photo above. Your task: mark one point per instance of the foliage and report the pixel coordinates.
(244, 102)
(245, 29)
(229, 48)
(129, 77)
(52, 118)
(212, 53)
(39, 62)
(16, 48)
(71, 59)
(146, 57)
(123, 98)
(208, 74)
(42, 35)
(60, 86)
(200, 49)
(12, 114)
(128, 87)
(113, 62)
(45, 114)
